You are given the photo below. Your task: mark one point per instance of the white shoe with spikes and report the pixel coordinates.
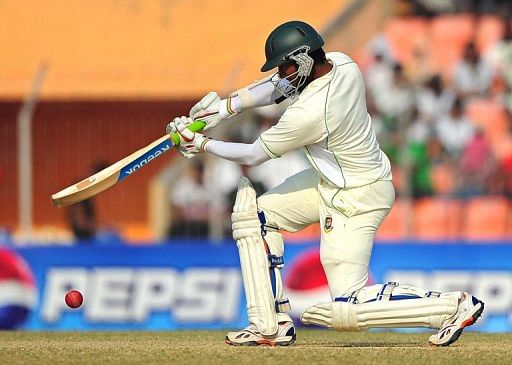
(250, 336)
(469, 310)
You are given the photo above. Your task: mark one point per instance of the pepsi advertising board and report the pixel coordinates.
(199, 286)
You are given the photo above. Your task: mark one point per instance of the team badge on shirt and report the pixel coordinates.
(328, 224)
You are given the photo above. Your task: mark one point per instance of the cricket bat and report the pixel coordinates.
(120, 170)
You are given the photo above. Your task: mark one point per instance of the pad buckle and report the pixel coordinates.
(387, 289)
(433, 294)
(263, 221)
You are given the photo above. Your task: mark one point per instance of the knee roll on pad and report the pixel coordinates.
(259, 263)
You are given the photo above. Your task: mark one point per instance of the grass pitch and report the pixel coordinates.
(193, 347)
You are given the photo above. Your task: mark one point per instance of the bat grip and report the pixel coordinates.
(195, 126)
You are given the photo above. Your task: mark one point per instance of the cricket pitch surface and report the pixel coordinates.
(208, 347)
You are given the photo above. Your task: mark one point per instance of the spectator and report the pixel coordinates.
(434, 100)
(82, 217)
(82, 220)
(476, 166)
(419, 137)
(380, 46)
(379, 76)
(454, 130)
(397, 100)
(499, 55)
(190, 202)
(418, 68)
(472, 75)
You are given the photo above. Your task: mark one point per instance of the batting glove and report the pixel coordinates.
(171, 127)
(212, 109)
(191, 143)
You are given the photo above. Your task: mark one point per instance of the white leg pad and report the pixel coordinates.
(258, 288)
(254, 259)
(380, 311)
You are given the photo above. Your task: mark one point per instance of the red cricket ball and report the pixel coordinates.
(74, 299)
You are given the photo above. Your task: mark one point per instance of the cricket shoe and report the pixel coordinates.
(251, 336)
(469, 310)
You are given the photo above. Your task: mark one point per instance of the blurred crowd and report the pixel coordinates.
(422, 120)
(446, 126)
(431, 8)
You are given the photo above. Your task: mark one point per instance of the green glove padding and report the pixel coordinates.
(195, 126)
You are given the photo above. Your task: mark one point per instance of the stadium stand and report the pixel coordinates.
(446, 44)
(490, 115)
(396, 224)
(436, 218)
(486, 218)
(406, 35)
(489, 29)
(99, 95)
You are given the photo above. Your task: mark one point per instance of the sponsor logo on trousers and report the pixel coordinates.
(126, 295)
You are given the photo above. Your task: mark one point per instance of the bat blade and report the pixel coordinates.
(120, 170)
(109, 176)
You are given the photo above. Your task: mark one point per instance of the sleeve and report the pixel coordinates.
(296, 128)
(242, 153)
(259, 93)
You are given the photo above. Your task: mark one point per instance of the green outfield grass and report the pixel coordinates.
(312, 347)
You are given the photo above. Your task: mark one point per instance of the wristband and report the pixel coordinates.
(204, 142)
(229, 107)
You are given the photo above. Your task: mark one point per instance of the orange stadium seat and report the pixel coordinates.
(485, 218)
(442, 178)
(491, 117)
(502, 147)
(394, 226)
(448, 36)
(138, 233)
(405, 35)
(436, 218)
(488, 31)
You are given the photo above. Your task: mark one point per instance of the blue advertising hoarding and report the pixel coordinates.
(198, 285)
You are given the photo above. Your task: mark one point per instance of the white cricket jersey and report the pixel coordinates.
(330, 122)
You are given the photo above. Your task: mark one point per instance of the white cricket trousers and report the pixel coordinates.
(349, 220)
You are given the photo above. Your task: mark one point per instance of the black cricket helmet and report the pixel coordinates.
(286, 39)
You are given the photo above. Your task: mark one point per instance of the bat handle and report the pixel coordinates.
(195, 126)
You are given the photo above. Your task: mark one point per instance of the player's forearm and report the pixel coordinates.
(211, 109)
(242, 153)
(259, 93)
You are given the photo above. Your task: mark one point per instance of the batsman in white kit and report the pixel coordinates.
(348, 190)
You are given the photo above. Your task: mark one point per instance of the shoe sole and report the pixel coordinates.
(466, 323)
(262, 342)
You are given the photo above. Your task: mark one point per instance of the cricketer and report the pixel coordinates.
(348, 190)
